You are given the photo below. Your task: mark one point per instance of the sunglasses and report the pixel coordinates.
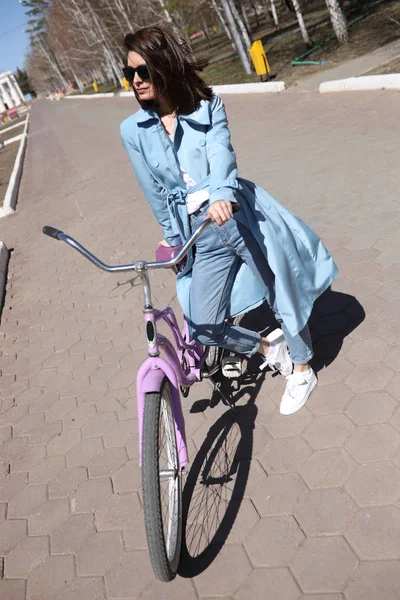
(130, 72)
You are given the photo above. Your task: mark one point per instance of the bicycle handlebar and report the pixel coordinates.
(139, 265)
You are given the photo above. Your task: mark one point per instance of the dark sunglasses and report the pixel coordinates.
(130, 72)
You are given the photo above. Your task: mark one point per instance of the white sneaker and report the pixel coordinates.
(298, 389)
(278, 358)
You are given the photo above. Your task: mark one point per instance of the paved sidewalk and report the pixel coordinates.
(302, 507)
(351, 68)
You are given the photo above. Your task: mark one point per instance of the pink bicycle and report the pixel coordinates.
(162, 441)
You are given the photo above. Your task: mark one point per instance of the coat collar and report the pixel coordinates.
(201, 115)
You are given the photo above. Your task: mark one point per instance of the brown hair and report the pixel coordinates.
(172, 68)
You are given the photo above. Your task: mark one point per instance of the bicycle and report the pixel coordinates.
(162, 442)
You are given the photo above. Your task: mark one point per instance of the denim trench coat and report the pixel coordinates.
(302, 266)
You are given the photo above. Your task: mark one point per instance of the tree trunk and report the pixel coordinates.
(274, 13)
(241, 25)
(245, 18)
(237, 40)
(338, 20)
(222, 20)
(306, 37)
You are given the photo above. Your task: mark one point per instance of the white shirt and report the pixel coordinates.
(195, 199)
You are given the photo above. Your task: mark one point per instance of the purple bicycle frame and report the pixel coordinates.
(154, 369)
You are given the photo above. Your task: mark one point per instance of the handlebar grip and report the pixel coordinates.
(51, 231)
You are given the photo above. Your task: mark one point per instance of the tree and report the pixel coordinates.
(236, 37)
(22, 78)
(299, 15)
(338, 20)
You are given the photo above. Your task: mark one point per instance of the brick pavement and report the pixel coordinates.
(301, 507)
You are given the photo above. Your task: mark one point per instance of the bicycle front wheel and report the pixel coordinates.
(161, 484)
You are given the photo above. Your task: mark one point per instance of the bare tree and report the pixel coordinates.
(236, 37)
(299, 15)
(338, 20)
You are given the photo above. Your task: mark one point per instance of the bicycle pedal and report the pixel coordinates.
(233, 367)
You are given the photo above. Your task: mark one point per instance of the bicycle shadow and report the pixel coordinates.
(217, 480)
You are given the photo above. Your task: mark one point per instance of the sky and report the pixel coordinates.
(13, 40)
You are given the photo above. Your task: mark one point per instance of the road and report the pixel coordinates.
(301, 507)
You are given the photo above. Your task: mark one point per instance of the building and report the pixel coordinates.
(10, 92)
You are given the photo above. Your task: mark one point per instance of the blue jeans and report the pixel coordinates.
(218, 253)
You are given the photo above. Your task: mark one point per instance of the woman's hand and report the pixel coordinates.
(220, 211)
(164, 243)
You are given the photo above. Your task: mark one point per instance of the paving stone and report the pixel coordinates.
(60, 409)
(327, 468)
(45, 434)
(30, 457)
(393, 386)
(366, 351)
(91, 494)
(281, 426)
(13, 415)
(47, 470)
(99, 552)
(79, 416)
(13, 447)
(380, 579)
(373, 443)
(220, 581)
(67, 482)
(179, 589)
(121, 433)
(322, 597)
(28, 424)
(366, 378)
(108, 462)
(12, 589)
(371, 407)
(374, 533)
(12, 485)
(30, 553)
(247, 517)
(5, 434)
(278, 494)
(328, 431)
(49, 577)
(116, 511)
(48, 516)
(69, 537)
(324, 564)
(82, 453)
(324, 512)
(82, 588)
(392, 358)
(336, 372)
(105, 372)
(278, 582)
(99, 425)
(285, 455)
(128, 478)
(60, 445)
(26, 502)
(11, 533)
(273, 541)
(375, 483)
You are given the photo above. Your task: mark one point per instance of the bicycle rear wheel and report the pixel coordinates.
(161, 484)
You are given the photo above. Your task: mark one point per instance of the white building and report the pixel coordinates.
(10, 92)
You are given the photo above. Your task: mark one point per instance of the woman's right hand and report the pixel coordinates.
(164, 243)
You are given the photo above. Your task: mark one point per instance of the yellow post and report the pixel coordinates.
(95, 87)
(126, 84)
(6, 119)
(259, 58)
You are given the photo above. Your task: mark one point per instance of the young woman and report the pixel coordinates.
(179, 146)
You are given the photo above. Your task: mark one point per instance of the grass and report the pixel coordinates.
(374, 31)
(103, 89)
(7, 159)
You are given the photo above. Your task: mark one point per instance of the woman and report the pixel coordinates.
(179, 145)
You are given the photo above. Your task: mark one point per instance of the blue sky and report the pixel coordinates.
(13, 39)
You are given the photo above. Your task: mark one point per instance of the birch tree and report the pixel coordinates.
(299, 15)
(338, 20)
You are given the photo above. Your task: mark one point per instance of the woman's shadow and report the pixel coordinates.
(217, 479)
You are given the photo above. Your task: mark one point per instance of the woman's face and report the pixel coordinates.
(144, 89)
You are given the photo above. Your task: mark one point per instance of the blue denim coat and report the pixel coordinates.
(302, 266)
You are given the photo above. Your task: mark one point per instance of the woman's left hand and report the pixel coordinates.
(220, 211)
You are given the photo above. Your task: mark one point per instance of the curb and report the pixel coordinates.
(3, 129)
(4, 258)
(250, 88)
(14, 139)
(366, 82)
(89, 96)
(10, 199)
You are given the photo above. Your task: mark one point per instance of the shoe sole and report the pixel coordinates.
(299, 406)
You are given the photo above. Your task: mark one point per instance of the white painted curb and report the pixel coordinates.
(14, 139)
(89, 96)
(4, 258)
(250, 88)
(10, 198)
(12, 127)
(123, 94)
(367, 82)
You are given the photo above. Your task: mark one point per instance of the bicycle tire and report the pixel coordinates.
(164, 542)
